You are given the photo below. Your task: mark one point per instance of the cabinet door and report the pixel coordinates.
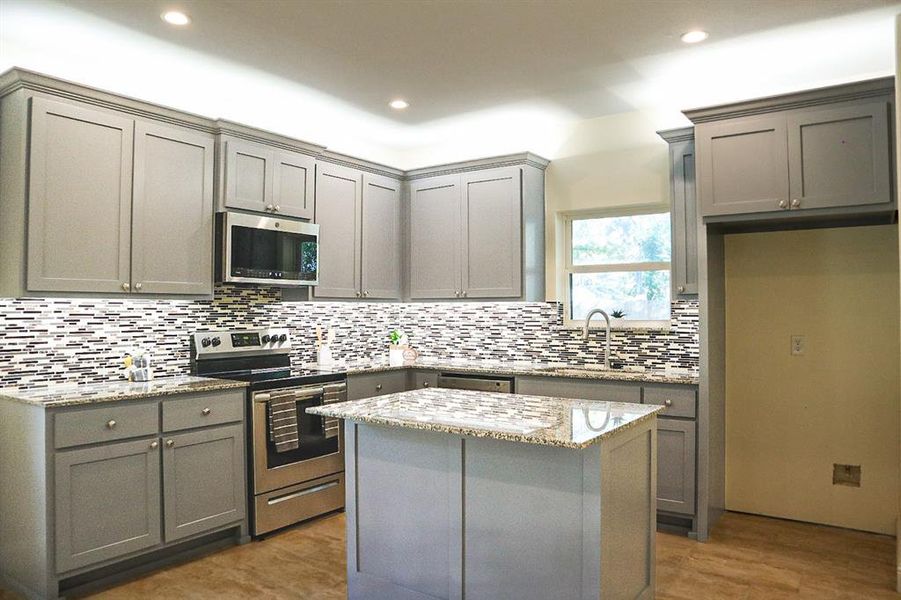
(338, 215)
(840, 156)
(293, 184)
(203, 480)
(79, 199)
(172, 247)
(249, 175)
(491, 215)
(381, 237)
(107, 502)
(435, 237)
(684, 219)
(742, 166)
(676, 466)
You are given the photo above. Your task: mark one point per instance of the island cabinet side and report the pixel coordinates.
(437, 515)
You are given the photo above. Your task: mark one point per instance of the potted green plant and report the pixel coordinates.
(396, 346)
(617, 317)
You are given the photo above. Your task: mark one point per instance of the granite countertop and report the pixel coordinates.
(537, 369)
(73, 394)
(547, 421)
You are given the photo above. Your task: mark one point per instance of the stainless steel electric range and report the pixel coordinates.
(295, 460)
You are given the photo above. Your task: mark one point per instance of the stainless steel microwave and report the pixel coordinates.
(268, 250)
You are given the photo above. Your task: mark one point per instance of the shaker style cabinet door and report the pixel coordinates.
(293, 184)
(381, 243)
(676, 466)
(684, 215)
(249, 175)
(435, 237)
(203, 480)
(338, 215)
(491, 218)
(840, 156)
(743, 166)
(107, 502)
(79, 199)
(172, 234)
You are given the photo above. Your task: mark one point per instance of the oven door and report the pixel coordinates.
(320, 450)
(269, 250)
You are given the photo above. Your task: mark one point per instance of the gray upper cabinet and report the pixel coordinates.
(381, 237)
(80, 172)
(683, 211)
(338, 213)
(107, 502)
(173, 175)
(840, 156)
(435, 237)
(293, 184)
(203, 480)
(742, 166)
(491, 236)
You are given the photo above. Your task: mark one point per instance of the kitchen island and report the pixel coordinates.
(464, 494)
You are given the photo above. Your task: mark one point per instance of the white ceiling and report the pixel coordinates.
(499, 71)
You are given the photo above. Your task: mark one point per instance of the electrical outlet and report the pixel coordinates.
(799, 345)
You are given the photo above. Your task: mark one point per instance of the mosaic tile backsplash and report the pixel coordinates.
(68, 340)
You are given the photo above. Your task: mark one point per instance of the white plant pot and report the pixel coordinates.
(395, 355)
(325, 355)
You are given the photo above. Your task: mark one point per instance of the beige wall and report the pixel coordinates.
(609, 161)
(789, 418)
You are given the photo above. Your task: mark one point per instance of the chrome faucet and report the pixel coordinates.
(592, 313)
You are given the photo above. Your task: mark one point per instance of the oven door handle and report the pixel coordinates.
(300, 393)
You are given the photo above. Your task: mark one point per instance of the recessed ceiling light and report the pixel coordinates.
(175, 17)
(693, 37)
(399, 104)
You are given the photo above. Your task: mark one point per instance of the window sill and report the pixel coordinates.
(627, 325)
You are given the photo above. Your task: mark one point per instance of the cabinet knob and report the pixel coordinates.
(681, 289)
(276, 208)
(667, 402)
(378, 387)
(170, 443)
(359, 294)
(154, 445)
(464, 293)
(110, 424)
(269, 208)
(206, 411)
(126, 287)
(782, 204)
(456, 294)
(425, 384)
(139, 286)
(796, 203)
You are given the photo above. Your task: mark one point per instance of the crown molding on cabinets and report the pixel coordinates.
(506, 160)
(267, 138)
(364, 165)
(682, 134)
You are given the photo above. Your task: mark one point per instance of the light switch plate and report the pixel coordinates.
(799, 345)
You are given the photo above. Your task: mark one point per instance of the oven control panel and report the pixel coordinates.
(240, 342)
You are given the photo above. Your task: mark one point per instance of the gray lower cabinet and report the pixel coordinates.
(203, 480)
(676, 459)
(683, 211)
(435, 237)
(338, 213)
(381, 237)
(79, 198)
(107, 502)
(368, 385)
(582, 389)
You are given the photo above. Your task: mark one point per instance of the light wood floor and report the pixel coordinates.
(747, 558)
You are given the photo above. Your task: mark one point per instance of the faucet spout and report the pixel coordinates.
(590, 314)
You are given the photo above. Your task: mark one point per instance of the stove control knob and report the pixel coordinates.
(205, 342)
(216, 342)
(266, 338)
(283, 338)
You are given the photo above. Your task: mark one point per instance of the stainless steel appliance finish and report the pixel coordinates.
(270, 250)
(294, 484)
(459, 382)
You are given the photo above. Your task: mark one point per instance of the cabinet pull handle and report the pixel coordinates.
(154, 445)
(126, 286)
(170, 443)
(378, 387)
(425, 384)
(359, 294)
(680, 289)
(796, 203)
(456, 294)
(206, 411)
(269, 208)
(667, 402)
(464, 293)
(110, 424)
(138, 286)
(782, 204)
(276, 208)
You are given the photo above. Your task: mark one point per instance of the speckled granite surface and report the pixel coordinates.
(57, 395)
(513, 368)
(531, 419)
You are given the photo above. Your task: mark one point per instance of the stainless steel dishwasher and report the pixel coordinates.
(471, 382)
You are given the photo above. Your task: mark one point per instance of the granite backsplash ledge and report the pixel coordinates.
(46, 340)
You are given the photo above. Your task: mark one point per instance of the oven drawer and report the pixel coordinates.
(290, 505)
(203, 410)
(105, 423)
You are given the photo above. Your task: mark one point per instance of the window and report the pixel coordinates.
(619, 262)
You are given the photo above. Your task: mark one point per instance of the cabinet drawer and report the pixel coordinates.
(106, 423)
(578, 389)
(367, 385)
(201, 410)
(679, 401)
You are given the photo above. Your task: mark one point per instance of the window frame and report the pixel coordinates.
(569, 268)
